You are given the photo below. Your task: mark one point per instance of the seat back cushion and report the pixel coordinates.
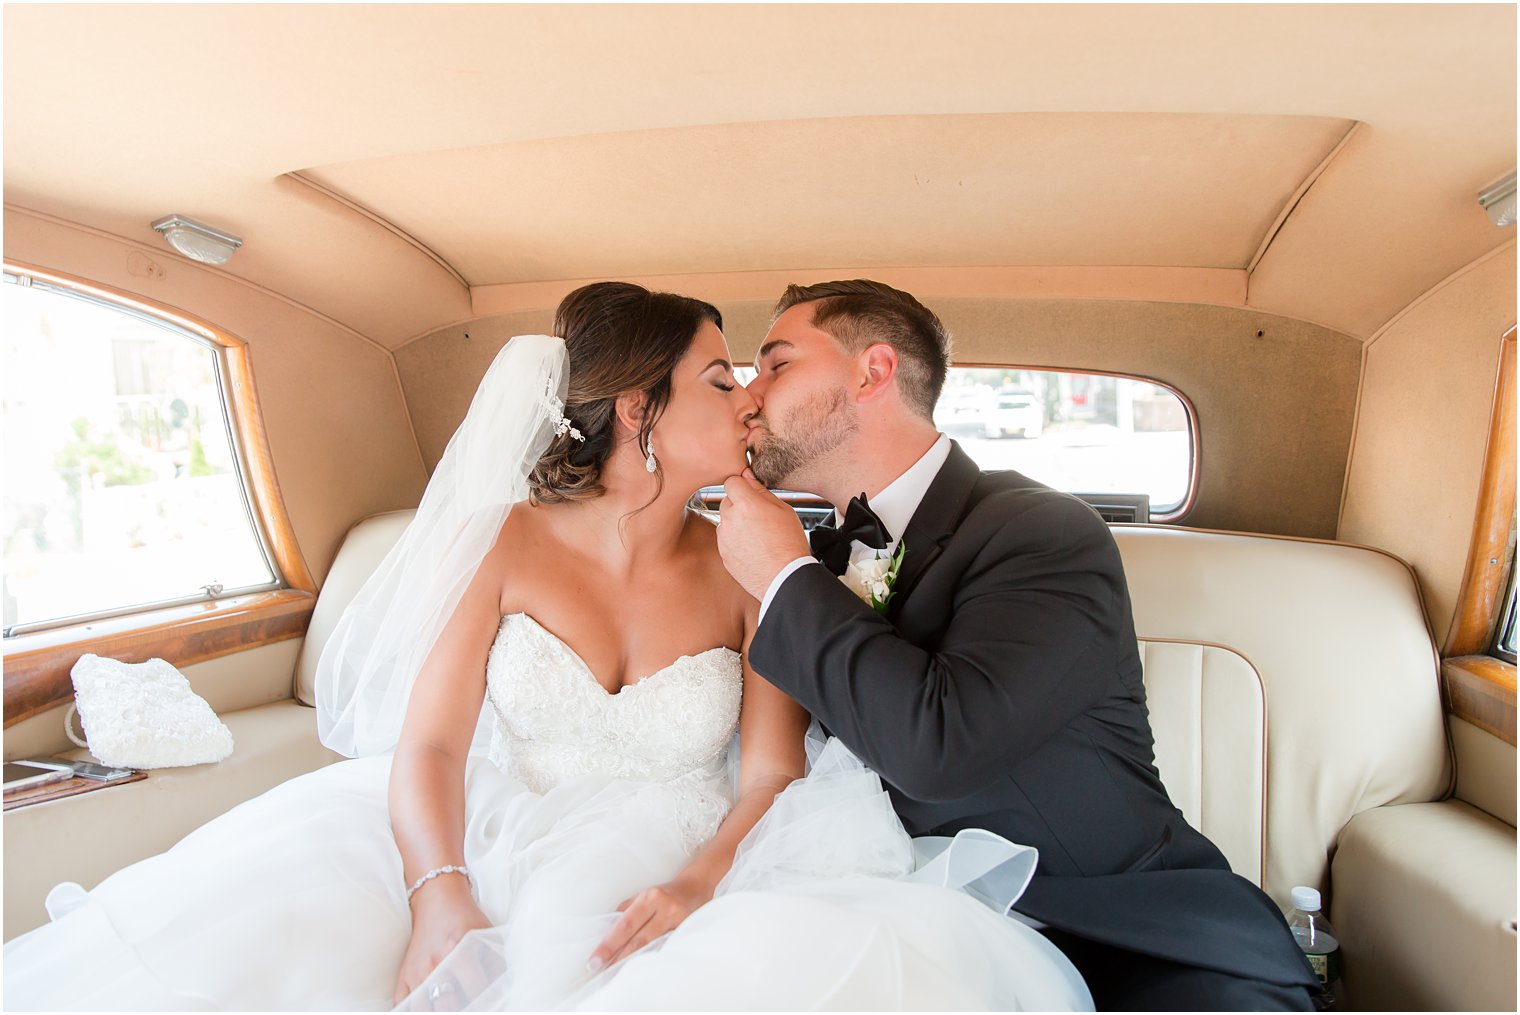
(1209, 717)
(1349, 700)
(1292, 684)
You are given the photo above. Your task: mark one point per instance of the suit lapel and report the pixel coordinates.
(937, 517)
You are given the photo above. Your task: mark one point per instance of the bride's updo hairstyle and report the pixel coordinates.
(619, 338)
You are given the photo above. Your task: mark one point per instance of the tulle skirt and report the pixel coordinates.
(295, 901)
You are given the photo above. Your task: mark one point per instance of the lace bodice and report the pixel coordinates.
(554, 721)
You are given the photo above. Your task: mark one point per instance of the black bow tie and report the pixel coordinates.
(832, 545)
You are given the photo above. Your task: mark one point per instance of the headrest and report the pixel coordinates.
(363, 549)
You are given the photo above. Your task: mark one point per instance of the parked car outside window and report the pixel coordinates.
(1079, 432)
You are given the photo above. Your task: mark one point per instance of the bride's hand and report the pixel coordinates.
(442, 915)
(646, 916)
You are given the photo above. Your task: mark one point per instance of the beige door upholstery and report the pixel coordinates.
(1485, 769)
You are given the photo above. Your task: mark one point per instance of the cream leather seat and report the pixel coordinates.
(1294, 699)
(1292, 685)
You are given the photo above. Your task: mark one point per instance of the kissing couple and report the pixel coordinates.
(539, 689)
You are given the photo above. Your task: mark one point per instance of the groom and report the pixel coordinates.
(999, 685)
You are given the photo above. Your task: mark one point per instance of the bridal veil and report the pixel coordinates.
(366, 672)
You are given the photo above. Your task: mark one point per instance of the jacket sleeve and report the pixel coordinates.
(1029, 647)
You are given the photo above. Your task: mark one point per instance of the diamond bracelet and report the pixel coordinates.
(430, 875)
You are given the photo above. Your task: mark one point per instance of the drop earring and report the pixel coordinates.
(649, 461)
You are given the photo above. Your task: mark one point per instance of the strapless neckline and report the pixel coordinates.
(591, 675)
(556, 723)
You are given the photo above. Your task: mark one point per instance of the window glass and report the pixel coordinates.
(1504, 643)
(1083, 433)
(122, 486)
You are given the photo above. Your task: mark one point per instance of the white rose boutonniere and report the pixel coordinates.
(873, 578)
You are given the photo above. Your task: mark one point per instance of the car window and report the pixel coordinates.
(1127, 438)
(123, 488)
(1079, 432)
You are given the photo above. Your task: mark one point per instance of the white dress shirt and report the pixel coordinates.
(894, 505)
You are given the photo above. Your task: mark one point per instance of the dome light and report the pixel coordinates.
(196, 240)
(1499, 201)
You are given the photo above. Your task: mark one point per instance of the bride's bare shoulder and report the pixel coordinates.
(523, 530)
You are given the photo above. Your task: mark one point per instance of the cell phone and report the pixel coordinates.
(100, 773)
(35, 772)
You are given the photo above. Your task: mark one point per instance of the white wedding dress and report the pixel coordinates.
(295, 900)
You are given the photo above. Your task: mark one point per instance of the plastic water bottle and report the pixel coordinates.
(1321, 947)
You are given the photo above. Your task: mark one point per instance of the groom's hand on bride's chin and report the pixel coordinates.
(758, 533)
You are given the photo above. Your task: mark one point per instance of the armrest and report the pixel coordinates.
(1481, 690)
(85, 838)
(1423, 897)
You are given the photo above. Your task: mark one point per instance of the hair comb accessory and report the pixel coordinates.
(562, 424)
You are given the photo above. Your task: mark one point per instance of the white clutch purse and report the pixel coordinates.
(144, 715)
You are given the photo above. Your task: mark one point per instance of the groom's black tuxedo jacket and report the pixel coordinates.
(1003, 690)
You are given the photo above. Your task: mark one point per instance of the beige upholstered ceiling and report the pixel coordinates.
(1009, 188)
(397, 167)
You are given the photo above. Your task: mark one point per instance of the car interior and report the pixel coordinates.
(1242, 276)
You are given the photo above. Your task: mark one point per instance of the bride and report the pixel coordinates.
(539, 688)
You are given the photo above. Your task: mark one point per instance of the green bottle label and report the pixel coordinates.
(1327, 967)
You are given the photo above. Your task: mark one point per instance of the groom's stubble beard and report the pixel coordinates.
(817, 428)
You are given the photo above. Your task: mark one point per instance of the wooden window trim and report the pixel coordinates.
(37, 665)
(1491, 553)
(1481, 690)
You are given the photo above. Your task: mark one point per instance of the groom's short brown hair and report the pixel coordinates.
(858, 313)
